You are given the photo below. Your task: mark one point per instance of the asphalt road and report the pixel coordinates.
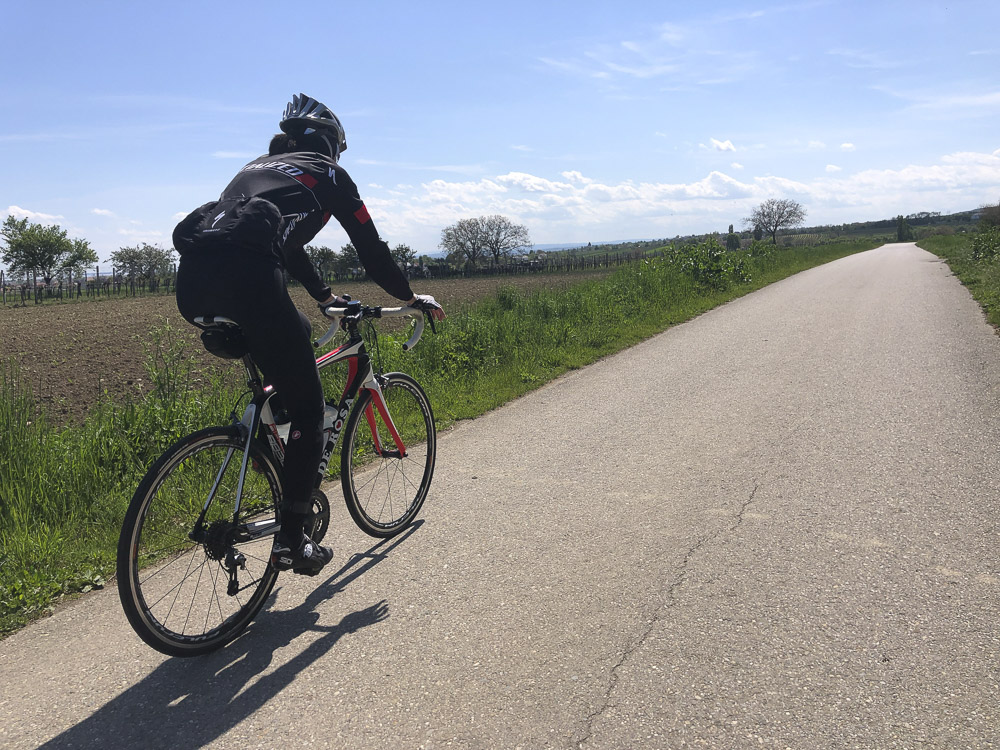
(773, 526)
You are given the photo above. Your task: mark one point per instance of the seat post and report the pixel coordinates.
(254, 381)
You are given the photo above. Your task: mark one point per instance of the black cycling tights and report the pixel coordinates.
(251, 290)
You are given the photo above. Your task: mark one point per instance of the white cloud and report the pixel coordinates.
(832, 168)
(577, 177)
(35, 216)
(817, 145)
(736, 165)
(672, 33)
(102, 212)
(572, 205)
(726, 145)
(847, 147)
(522, 148)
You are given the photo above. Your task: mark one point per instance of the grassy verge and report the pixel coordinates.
(64, 489)
(980, 275)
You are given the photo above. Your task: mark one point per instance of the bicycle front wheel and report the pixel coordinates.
(385, 480)
(192, 572)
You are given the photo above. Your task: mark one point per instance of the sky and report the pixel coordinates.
(584, 121)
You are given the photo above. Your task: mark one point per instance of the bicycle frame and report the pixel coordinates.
(259, 414)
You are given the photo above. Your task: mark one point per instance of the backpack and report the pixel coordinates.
(248, 223)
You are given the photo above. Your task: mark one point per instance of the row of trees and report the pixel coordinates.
(43, 250)
(481, 241)
(478, 242)
(47, 252)
(346, 262)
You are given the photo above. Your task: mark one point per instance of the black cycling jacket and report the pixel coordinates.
(308, 188)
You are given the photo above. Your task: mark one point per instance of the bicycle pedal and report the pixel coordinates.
(306, 572)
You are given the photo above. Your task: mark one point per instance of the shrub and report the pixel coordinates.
(711, 265)
(986, 243)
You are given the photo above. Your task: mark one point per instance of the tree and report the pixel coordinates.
(474, 240)
(323, 257)
(732, 240)
(142, 261)
(503, 238)
(81, 256)
(45, 249)
(404, 255)
(903, 231)
(776, 214)
(990, 216)
(348, 259)
(463, 242)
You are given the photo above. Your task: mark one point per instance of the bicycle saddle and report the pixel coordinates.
(221, 336)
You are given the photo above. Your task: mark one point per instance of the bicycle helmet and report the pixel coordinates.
(306, 116)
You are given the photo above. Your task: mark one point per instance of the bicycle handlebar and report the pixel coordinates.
(337, 314)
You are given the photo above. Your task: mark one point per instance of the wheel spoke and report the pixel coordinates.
(175, 591)
(384, 492)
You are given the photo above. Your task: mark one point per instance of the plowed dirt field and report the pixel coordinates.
(72, 353)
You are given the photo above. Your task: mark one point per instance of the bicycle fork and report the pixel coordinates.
(378, 398)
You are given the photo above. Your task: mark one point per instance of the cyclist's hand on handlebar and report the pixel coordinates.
(335, 301)
(429, 305)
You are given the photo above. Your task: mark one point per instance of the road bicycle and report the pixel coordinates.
(194, 551)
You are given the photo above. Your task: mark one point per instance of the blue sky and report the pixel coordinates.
(585, 121)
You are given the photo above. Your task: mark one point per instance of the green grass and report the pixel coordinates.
(981, 276)
(64, 489)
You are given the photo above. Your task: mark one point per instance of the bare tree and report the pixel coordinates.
(464, 242)
(776, 214)
(504, 238)
(485, 237)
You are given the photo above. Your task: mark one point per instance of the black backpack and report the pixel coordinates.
(247, 223)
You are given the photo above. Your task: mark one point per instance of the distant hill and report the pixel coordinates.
(575, 245)
(921, 220)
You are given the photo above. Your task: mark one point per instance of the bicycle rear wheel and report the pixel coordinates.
(383, 486)
(189, 587)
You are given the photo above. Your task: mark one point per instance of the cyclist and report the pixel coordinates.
(233, 252)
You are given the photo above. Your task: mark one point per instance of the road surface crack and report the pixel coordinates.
(670, 599)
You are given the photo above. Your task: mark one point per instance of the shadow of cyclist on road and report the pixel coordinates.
(191, 702)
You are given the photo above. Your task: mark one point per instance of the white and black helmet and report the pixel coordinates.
(305, 116)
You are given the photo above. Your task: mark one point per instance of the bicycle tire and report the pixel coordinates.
(384, 493)
(164, 575)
